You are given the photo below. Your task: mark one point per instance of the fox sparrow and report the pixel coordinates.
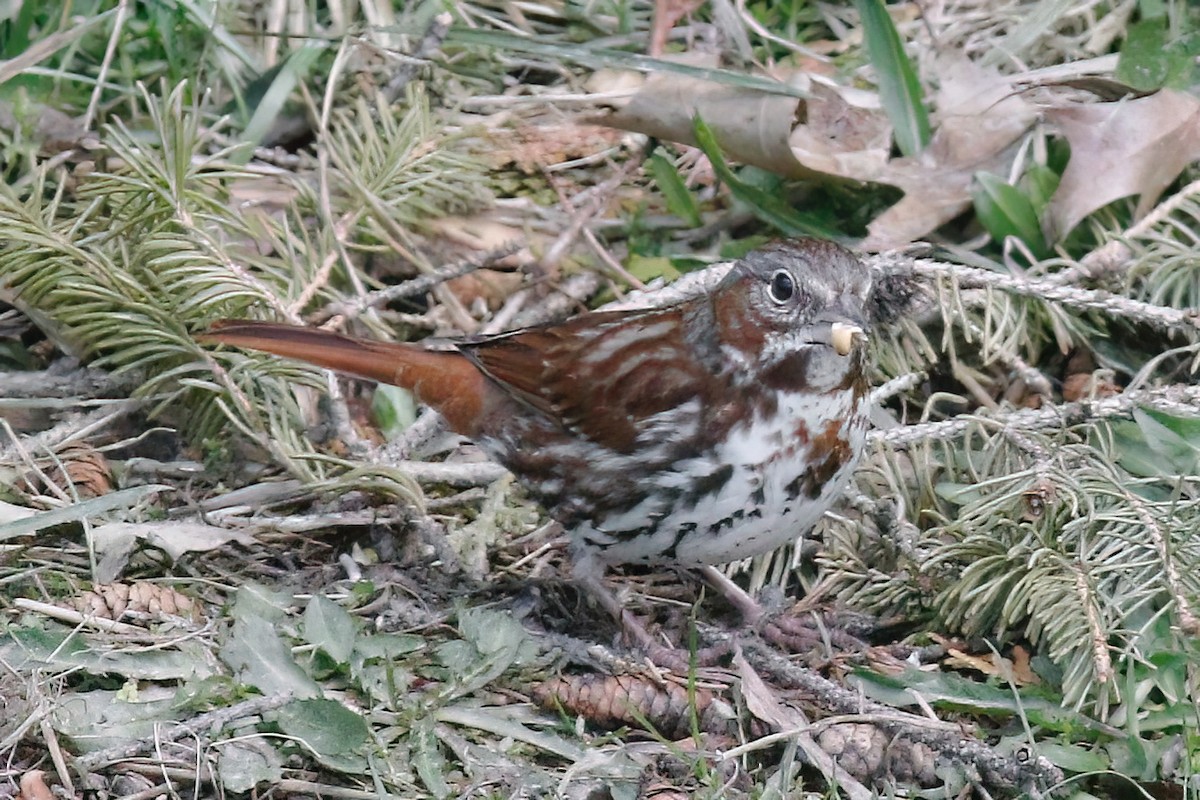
(700, 433)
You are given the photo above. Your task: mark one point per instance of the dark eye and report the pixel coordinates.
(782, 286)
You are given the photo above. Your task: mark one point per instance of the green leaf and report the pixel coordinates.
(767, 206)
(329, 627)
(1073, 758)
(680, 201)
(1176, 450)
(1150, 60)
(1142, 64)
(327, 726)
(33, 649)
(427, 758)
(1005, 211)
(394, 409)
(256, 653)
(899, 87)
(950, 690)
(99, 719)
(1039, 184)
(279, 85)
(1132, 452)
(647, 268)
(123, 499)
(492, 643)
(246, 763)
(1152, 9)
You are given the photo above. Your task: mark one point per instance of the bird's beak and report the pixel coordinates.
(842, 337)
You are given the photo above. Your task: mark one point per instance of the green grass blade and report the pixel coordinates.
(766, 206)
(605, 58)
(899, 87)
(680, 201)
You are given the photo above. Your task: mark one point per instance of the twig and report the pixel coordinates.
(1101, 661)
(607, 258)
(424, 283)
(1188, 622)
(571, 293)
(109, 53)
(73, 428)
(898, 385)
(580, 215)
(77, 384)
(1036, 774)
(430, 43)
(199, 727)
(75, 618)
(480, 473)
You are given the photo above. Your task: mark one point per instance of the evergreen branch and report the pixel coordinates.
(1172, 399)
(1113, 305)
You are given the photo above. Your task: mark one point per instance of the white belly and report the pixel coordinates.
(763, 502)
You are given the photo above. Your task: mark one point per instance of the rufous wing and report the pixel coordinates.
(599, 375)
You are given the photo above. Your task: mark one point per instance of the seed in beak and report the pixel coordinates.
(842, 337)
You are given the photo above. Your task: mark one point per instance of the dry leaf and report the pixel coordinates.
(978, 119)
(1089, 386)
(1016, 669)
(753, 127)
(763, 701)
(842, 133)
(1132, 147)
(80, 468)
(115, 542)
(482, 233)
(54, 131)
(845, 133)
(491, 286)
(33, 786)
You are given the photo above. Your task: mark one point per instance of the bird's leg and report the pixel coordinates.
(750, 609)
(630, 624)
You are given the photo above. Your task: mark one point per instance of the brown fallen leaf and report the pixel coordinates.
(841, 133)
(1089, 386)
(1016, 669)
(1131, 147)
(978, 119)
(752, 126)
(491, 286)
(845, 133)
(79, 468)
(33, 786)
(764, 701)
(534, 146)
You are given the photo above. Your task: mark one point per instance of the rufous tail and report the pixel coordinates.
(447, 381)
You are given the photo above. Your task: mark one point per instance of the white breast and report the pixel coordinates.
(756, 509)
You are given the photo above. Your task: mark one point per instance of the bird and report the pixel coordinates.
(711, 430)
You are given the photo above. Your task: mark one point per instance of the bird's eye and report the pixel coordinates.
(782, 286)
